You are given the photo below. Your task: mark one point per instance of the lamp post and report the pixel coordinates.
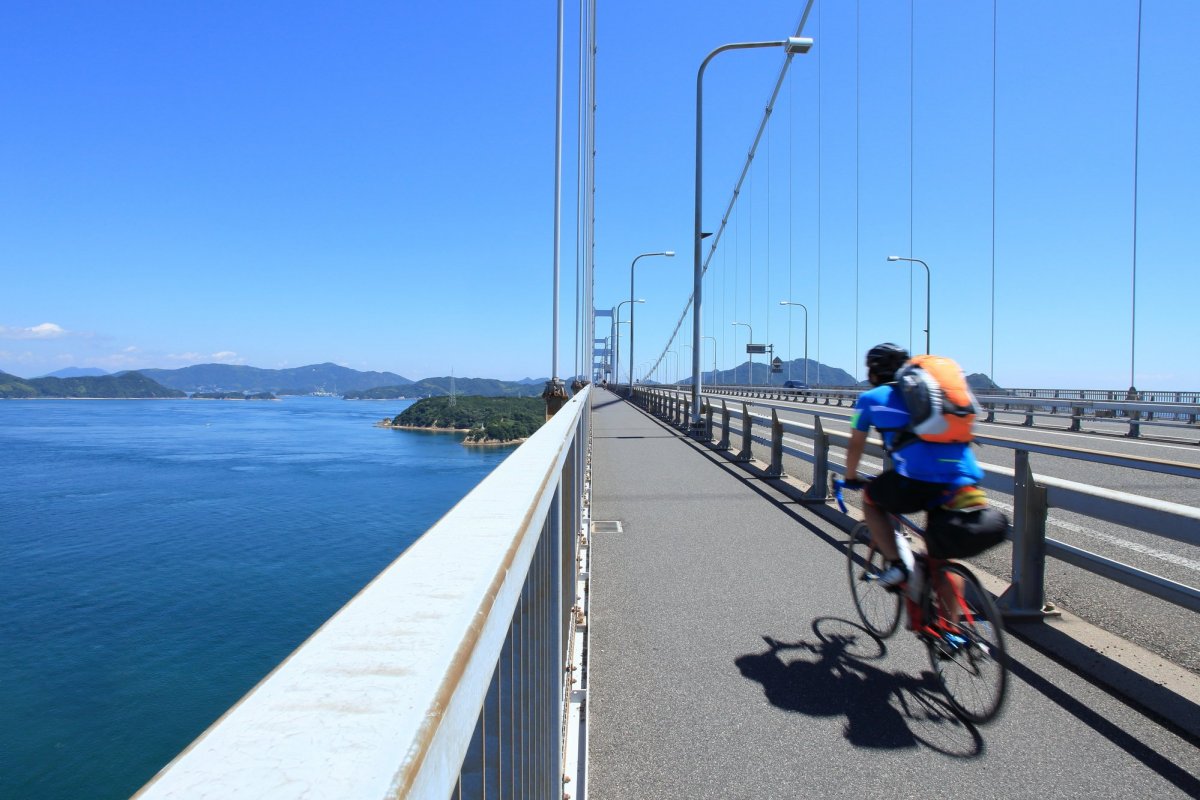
(668, 254)
(792, 45)
(750, 377)
(672, 372)
(712, 339)
(928, 281)
(617, 348)
(790, 303)
(681, 346)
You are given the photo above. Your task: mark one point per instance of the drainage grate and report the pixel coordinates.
(606, 526)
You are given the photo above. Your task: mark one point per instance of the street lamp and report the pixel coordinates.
(668, 254)
(790, 303)
(681, 346)
(928, 280)
(617, 348)
(713, 339)
(675, 364)
(791, 45)
(750, 377)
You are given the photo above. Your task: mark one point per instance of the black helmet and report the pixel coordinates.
(884, 359)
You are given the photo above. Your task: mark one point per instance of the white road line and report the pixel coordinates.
(1162, 555)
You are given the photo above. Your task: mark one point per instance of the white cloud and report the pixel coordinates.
(47, 330)
(226, 356)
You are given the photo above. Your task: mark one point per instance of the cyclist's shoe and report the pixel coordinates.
(894, 576)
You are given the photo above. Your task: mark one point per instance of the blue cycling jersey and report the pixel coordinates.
(935, 462)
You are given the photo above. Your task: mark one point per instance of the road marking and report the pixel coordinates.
(1162, 555)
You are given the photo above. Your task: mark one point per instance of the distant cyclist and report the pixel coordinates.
(926, 475)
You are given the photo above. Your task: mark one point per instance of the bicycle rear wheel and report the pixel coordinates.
(878, 607)
(968, 654)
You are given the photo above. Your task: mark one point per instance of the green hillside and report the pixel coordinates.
(128, 385)
(326, 377)
(437, 387)
(485, 419)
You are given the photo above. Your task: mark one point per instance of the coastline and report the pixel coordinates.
(387, 423)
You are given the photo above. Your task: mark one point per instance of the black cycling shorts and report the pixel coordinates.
(897, 494)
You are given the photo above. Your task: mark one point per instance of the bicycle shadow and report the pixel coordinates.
(882, 709)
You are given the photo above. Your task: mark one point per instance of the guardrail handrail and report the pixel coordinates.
(399, 693)
(1033, 494)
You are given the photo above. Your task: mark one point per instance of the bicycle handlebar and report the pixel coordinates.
(839, 484)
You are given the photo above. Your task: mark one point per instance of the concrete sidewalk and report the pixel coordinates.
(726, 660)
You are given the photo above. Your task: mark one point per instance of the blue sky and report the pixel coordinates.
(281, 184)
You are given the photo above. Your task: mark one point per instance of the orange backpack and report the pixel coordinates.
(940, 404)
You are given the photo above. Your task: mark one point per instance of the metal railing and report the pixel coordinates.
(1173, 413)
(447, 676)
(1033, 495)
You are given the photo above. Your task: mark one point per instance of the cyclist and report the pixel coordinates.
(925, 475)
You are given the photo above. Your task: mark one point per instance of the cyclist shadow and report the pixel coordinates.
(882, 709)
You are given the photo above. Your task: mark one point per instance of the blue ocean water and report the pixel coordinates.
(158, 558)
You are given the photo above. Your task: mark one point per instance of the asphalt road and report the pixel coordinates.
(726, 660)
(1157, 625)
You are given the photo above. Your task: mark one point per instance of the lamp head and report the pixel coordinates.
(893, 258)
(669, 254)
(797, 45)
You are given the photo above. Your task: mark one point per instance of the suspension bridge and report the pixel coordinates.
(649, 597)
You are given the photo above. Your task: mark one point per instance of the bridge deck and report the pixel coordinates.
(726, 661)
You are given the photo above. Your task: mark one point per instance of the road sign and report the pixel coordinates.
(776, 365)
(756, 348)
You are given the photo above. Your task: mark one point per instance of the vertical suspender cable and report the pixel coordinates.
(558, 73)
(791, 103)
(820, 24)
(912, 57)
(857, 165)
(1137, 107)
(579, 328)
(591, 259)
(992, 356)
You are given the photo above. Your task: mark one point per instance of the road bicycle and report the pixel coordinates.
(948, 610)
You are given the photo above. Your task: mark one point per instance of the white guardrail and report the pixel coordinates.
(1033, 495)
(449, 675)
(1182, 411)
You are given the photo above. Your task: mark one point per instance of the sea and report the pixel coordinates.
(159, 557)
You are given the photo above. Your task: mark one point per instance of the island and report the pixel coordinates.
(484, 420)
(233, 396)
(123, 386)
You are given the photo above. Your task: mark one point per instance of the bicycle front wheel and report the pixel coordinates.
(967, 652)
(878, 607)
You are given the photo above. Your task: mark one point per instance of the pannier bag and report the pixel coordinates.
(966, 533)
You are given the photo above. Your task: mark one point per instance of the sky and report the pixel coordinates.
(280, 184)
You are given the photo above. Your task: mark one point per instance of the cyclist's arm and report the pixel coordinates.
(854, 452)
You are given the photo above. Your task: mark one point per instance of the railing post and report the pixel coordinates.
(775, 468)
(1076, 417)
(991, 412)
(1026, 597)
(724, 443)
(746, 453)
(1028, 423)
(708, 424)
(819, 491)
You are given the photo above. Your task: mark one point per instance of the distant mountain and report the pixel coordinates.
(126, 385)
(439, 387)
(75, 372)
(982, 383)
(315, 378)
(538, 381)
(819, 375)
